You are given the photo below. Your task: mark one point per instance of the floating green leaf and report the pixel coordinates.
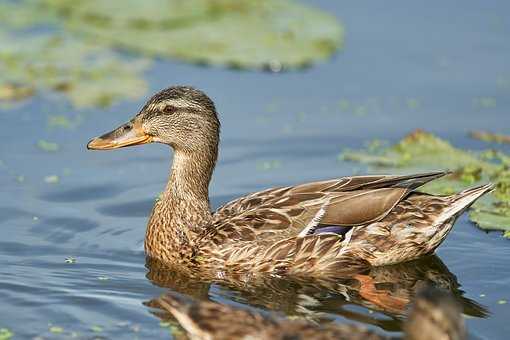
(5, 334)
(82, 63)
(96, 329)
(47, 146)
(64, 122)
(240, 33)
(269, 165)
(89, 75)
(421, 151)
(56, 329)
(52, 179)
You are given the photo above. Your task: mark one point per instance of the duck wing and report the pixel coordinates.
(278, 213)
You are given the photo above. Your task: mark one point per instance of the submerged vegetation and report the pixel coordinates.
(74, 51)
(423, 151)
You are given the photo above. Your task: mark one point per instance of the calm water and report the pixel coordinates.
(403, 67)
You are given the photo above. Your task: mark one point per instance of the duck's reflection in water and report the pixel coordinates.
(388, 290)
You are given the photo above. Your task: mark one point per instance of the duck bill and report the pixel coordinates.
(125, 135)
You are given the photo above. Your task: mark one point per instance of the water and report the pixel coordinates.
(403, 67)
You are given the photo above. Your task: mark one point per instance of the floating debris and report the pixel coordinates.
(47, 146)
(269, 165)
(52, 179)
(56, 329)
(422, 151)
(96, 329)
(344, 104)
(490, 137)
(70, 260)
(64, 122)
(485, 102)
(413, 103)
(13, 92)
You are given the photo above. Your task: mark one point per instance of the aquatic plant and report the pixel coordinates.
(490, 137)
(271, 34)
(75, 48)
(87, 74)
(424, 151)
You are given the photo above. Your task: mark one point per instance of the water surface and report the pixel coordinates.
(404, 66)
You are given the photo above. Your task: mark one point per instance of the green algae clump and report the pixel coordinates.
(271, 34)
(423, 151)
(88, 75)
(72, 47)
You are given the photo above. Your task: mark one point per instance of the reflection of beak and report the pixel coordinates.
(124, 135)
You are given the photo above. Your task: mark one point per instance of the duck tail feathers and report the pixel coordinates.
(464, 199)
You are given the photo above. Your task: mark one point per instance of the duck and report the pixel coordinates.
(434, 315)
(317, 229)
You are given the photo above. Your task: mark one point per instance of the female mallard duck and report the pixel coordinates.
(314, 229)
(434, 315)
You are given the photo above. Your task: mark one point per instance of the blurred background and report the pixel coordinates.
(306, 90)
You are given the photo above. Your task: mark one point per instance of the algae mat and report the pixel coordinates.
(272, 34)
(88, 75)
(420, 151)
(72, 47)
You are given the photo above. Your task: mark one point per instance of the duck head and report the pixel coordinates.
(182, 117)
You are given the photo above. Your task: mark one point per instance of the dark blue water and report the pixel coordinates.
(404, 66)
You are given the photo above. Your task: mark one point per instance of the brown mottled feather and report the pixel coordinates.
(383, 220)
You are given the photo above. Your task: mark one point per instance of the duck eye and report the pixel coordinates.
(169, 109)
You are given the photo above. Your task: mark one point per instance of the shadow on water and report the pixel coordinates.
(62, 229)
(387, 290)
(9, 213)
(84, 193)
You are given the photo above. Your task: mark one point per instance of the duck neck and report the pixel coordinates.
(182, 210)
(188, 182)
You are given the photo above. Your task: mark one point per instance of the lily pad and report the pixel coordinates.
(270, 34)
(5, 334)
(74, 52)
(85, 73)
(422, 151)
